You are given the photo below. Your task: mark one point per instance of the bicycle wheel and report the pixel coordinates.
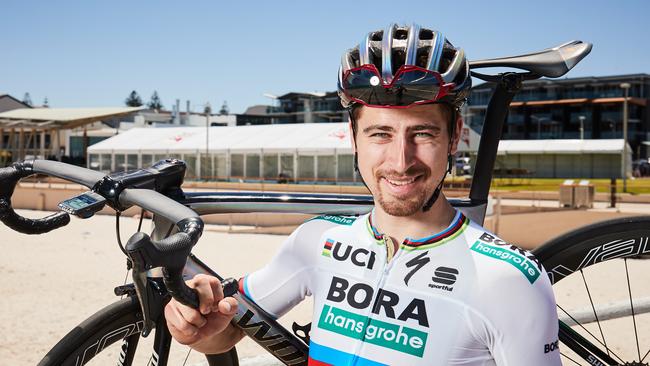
(113, 336)
(600, 274)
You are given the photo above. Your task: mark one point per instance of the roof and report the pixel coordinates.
(315, 137)
(568, 146)
(258, 109)
(61, 117)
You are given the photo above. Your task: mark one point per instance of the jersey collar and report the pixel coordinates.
(457, 225)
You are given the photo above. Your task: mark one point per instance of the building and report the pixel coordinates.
(308, 108)
(560, 108)
(7, 103)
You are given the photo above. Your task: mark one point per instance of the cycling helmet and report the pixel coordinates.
(401, 66)
(404, 66)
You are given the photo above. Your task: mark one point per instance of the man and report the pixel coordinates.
(414, 282)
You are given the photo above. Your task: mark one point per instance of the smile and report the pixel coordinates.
(400, 182)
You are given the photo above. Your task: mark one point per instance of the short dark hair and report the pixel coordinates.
(450, 112)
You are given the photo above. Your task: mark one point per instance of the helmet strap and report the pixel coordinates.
(353, 122)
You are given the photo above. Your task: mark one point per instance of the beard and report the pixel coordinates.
(408, 205)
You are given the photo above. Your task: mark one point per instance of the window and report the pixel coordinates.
(253, 166)
(237, 165)
(119, 163)
(306, 167)
(326, 168)
(345, 168)
(106, 161)
(270, 166)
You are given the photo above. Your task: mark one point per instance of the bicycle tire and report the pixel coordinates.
(619, 238)
(111, 324)
(593, 244)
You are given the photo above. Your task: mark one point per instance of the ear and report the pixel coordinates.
(457, 132)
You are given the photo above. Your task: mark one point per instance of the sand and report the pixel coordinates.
(52, 282)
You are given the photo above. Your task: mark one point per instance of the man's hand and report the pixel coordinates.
(205, 329)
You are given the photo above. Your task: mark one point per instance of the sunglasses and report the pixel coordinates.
(411, 85)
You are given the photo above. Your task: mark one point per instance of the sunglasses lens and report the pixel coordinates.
(409, 86)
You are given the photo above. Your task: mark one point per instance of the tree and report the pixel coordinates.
(27, 99)
(133, 100)
(224, 109)
(155, 102)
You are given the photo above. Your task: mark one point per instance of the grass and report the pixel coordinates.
(634, 186)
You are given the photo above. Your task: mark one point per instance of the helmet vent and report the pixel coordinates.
(426, 34)
(399, 57)
(401, 33)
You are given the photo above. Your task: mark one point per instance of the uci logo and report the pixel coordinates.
(359, 257)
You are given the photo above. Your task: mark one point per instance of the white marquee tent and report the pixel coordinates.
(305, 152)
(564, 158)
(321, 152)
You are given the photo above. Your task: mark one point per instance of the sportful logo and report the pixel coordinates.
(383, 334)
(444, 277)
(524, 265)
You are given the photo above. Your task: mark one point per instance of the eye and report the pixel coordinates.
(381, 135)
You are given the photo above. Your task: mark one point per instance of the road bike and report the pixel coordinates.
(160, 262)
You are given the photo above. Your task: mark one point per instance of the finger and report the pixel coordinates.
(209, 290)
(217, 323)
(228, 306)
(191, 315)
(179, 336)
(177, 320)
(217, 290)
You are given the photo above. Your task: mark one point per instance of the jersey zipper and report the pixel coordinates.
(391, 257)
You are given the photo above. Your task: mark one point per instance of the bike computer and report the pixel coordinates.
(84, 205)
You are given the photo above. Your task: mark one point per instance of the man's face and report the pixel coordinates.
(402, 154)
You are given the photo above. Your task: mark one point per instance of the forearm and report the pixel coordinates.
(220, 342)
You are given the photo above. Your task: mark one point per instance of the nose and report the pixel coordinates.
(402, 154)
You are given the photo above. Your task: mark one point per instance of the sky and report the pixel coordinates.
(87, 53)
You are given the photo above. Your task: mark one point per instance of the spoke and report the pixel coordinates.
(588, 332)
(569, 358)
(584, 280)
(629, 291)
(644, 356)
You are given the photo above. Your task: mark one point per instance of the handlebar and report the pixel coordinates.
(145, 253)
(9, 177)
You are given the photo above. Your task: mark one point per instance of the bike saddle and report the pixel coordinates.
(551, 62)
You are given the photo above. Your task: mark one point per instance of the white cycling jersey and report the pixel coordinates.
(459, 297)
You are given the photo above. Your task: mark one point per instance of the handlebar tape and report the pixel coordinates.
(9, 177)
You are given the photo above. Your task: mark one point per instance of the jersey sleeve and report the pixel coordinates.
(286, 279)
(525, 324)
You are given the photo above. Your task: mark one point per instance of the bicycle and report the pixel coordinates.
(161, 262)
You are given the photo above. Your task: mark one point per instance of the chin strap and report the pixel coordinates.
(354, 138)
(434, 197)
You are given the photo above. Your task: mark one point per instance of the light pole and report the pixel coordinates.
(626, 88)
(208, 111)
(582, 127)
